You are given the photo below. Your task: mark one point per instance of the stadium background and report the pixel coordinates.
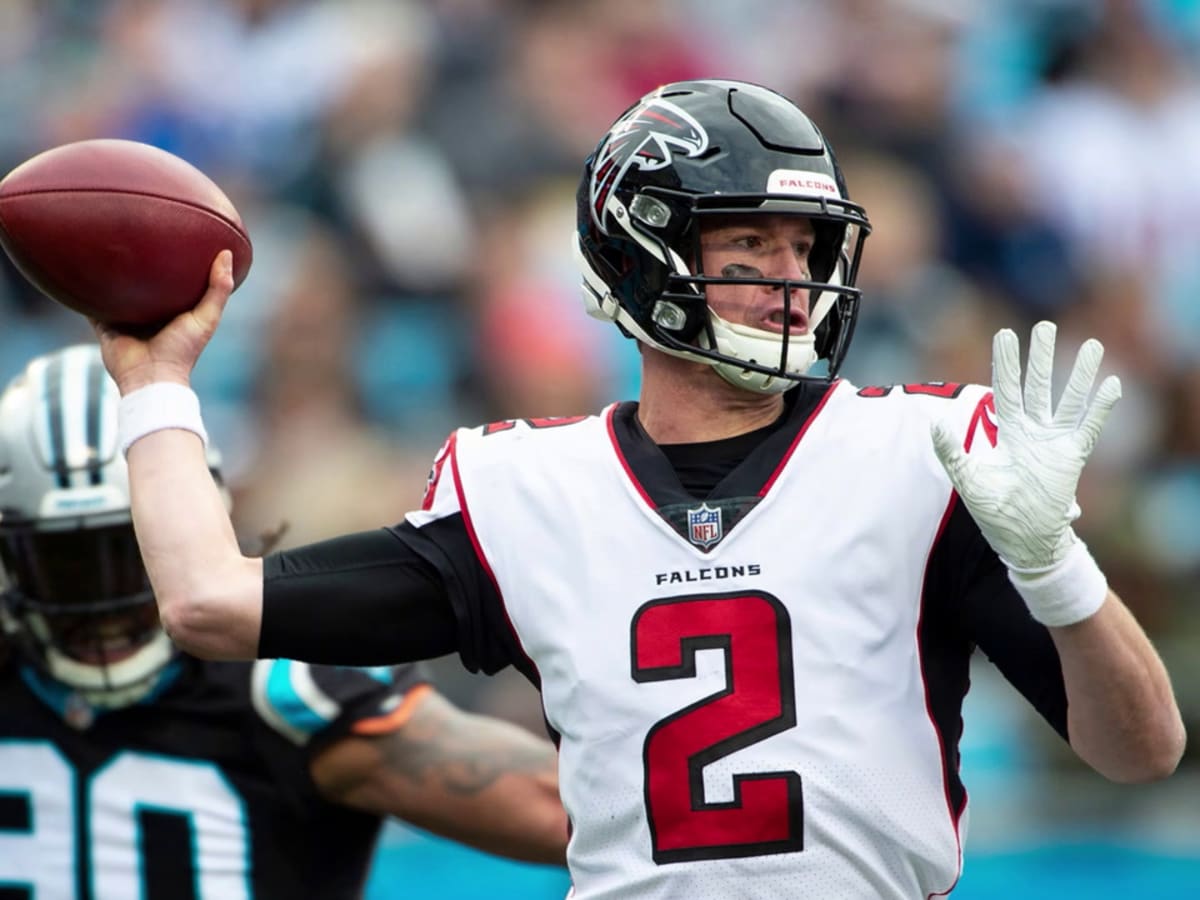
(407, 170)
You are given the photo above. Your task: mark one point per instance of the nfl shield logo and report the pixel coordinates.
(704, 526)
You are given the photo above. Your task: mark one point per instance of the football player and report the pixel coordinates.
(129, 769)
(749, 599)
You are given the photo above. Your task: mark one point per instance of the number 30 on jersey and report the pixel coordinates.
(43, 856)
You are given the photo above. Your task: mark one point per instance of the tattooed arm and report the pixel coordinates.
(470, 778)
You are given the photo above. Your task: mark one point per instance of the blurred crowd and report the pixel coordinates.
(407, 168)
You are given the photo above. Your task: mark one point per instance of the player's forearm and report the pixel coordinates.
(524, 813)
(209, 595)
(481, 781)
(1122, 715)
(471, 778)
(520, 816)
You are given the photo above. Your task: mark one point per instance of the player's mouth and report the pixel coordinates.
(106, 651)
(779, 320)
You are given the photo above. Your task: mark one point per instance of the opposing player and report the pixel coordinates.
(128, 769)
(750, 599)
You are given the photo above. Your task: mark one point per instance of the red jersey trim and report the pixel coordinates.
(955, 814)
(464, 508)
(812, 417)
(609, 414)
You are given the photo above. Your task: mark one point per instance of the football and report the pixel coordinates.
(120, 231)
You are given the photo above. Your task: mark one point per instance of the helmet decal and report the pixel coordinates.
(647, 136)
(802, 183)
(74, 393)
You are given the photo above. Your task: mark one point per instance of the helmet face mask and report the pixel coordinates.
(83, 608)
(688, 154)
(75, 601)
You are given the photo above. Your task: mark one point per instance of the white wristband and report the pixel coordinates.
(1068, 592)
(156, 407)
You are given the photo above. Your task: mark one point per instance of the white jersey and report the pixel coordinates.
(752, 695)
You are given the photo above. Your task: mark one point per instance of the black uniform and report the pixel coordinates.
(202, 790)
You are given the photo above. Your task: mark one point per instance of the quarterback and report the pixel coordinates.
(750, 598)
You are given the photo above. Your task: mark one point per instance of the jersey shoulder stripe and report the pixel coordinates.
(532, 444)
(967, 410)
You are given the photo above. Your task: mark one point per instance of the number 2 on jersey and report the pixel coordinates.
(766, 814)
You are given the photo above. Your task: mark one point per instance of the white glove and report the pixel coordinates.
(1022, 496)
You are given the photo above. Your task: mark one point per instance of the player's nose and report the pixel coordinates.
(786, 265)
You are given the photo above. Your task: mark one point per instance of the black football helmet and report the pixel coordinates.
(715, 148)
(75, 600)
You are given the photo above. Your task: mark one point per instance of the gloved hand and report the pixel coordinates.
(1022, 496)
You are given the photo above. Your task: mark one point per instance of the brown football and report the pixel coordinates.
(120, 231)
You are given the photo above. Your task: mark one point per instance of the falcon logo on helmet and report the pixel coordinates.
(647, 137)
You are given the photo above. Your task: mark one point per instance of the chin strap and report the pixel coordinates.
(119, 684)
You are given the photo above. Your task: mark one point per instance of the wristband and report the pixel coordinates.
(1070, 591)
(156, 407)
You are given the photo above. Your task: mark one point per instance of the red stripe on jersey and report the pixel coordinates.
(482, 557)
(955, 814)
(799, 434)
(616, 445)
(435, 473)
(984, 418)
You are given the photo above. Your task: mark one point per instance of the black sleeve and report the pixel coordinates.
(360, 600)
(485, 637)
(997, 620)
